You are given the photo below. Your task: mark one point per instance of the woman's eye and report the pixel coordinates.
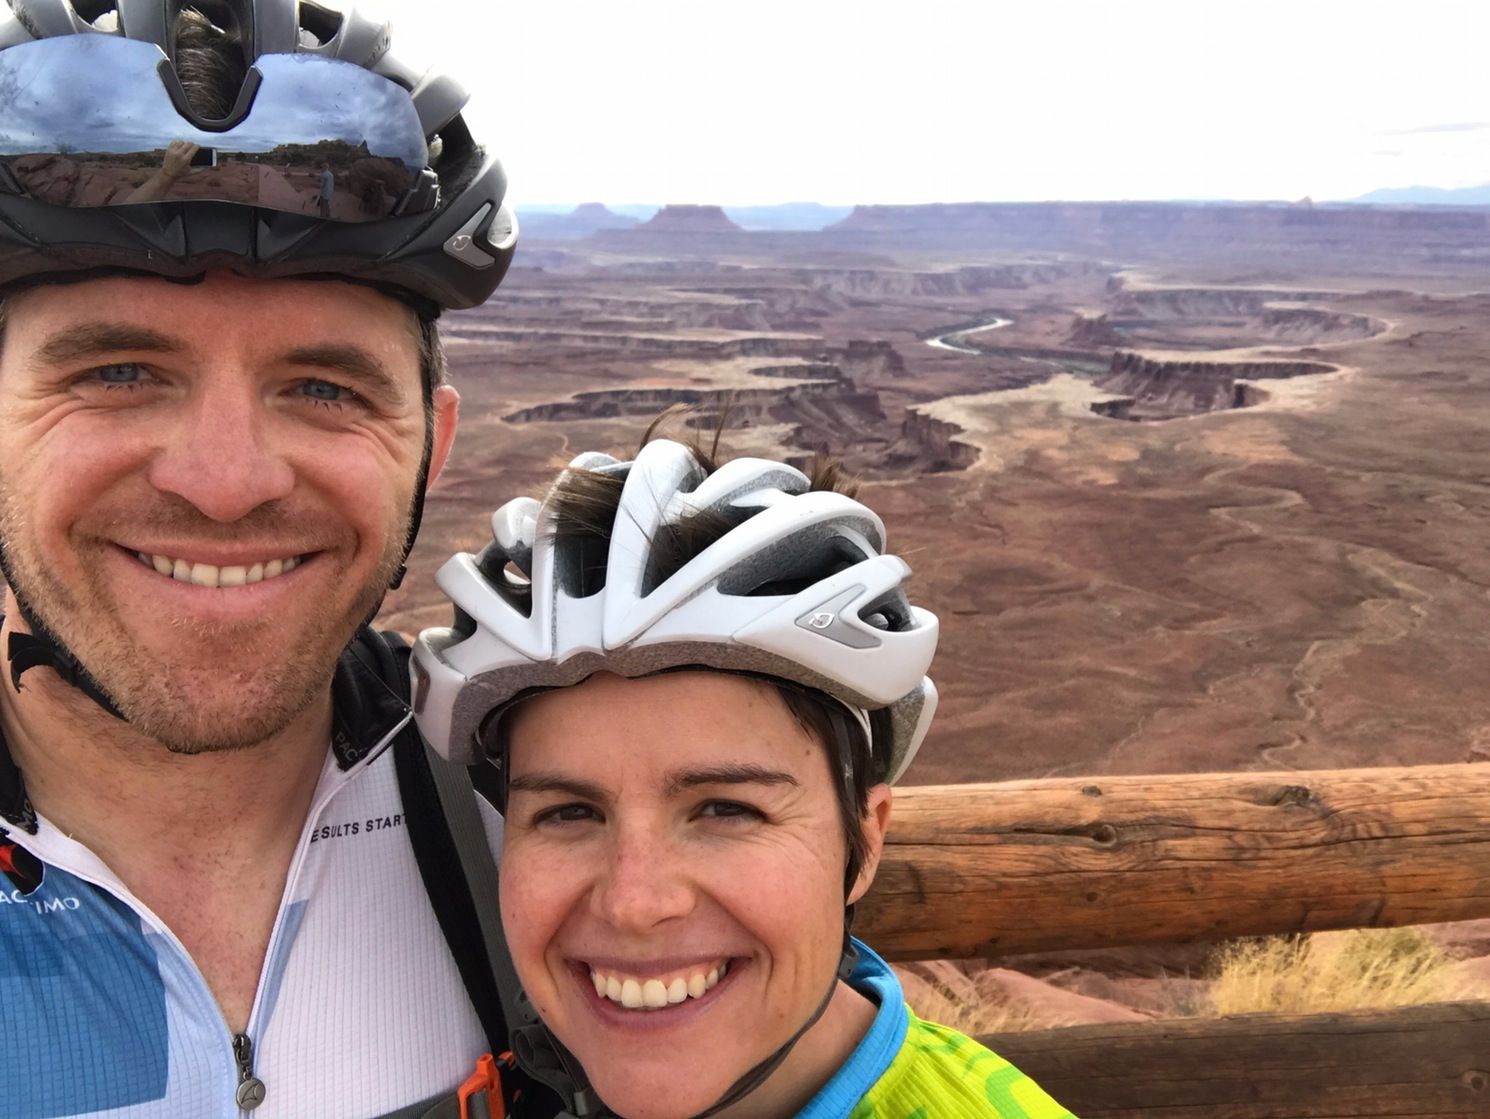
(565, 814)
(729, 810)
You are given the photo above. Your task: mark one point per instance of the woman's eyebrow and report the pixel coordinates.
(556, 783)
(742, 774)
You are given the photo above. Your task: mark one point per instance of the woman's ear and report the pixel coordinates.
(875, 823)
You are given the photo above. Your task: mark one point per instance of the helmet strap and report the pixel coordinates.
(421, 484)
(536, 1047)
(762, 1072)
(41, 648)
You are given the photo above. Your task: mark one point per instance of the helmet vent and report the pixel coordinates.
(102, 15)
(324, 24)
(507, 578)
(792, 565)
(580, 565)
(890, 613)
(677, 543)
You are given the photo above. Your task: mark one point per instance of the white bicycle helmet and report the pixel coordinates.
(799, 589)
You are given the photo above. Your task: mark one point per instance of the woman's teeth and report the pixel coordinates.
(654, 994)
(209, 575)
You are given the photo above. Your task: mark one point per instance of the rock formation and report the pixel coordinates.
(1242, 231)
(1161, 389)
(932, 444)
(582, 221)
(689, 219)
(1089, 331)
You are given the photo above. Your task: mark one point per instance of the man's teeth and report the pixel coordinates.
(209, 575)
(654, 994)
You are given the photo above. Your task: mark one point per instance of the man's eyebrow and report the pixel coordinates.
(94, 339)
(742, 774)
(556, 783)
(354, 363)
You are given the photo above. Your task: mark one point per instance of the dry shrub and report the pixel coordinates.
(1356, 969)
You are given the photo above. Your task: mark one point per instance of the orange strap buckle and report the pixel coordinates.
(487, 1078)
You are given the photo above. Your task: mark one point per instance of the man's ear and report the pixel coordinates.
(875, 823)
(446, 406)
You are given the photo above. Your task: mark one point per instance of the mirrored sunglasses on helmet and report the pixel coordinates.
(99, 120)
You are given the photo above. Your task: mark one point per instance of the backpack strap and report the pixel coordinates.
(441, 861)
(478, 870)
(450, 845)
(451, 853)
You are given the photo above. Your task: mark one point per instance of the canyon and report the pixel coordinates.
(1190, 487)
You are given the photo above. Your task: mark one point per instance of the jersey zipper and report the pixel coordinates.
(250, 1088)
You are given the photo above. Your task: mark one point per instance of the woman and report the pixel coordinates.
(697, 684)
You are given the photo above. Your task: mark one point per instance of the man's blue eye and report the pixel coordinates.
(323, 390)
(119, 374)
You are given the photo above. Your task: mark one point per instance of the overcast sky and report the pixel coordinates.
(844, 101)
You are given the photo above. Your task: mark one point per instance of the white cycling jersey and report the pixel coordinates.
(360, 1009)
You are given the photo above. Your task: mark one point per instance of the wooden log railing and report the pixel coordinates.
(1042, 866)
(1033, 866)
(1424, 1062)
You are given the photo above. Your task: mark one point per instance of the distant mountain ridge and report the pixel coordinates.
(546, 219)
(1428, 196)
(801, 216)
(689, 219)
(583, 220)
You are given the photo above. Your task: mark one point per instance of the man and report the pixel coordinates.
(217, 421)
(328, 187)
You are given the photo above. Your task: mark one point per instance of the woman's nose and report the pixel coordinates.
(221, 456)
(645, 884)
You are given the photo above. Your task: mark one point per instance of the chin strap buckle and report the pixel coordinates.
(481, 1095)
(41, 650)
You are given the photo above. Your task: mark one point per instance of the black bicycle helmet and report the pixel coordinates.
(327, 157)
(91, 101)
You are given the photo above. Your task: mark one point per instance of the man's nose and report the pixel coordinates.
(223, 455)
(645, 884)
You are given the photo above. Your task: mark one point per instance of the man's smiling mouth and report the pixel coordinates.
(657, 992)
(211, 575)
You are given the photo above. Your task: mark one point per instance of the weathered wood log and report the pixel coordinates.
(1427, 1062)
(986, 870)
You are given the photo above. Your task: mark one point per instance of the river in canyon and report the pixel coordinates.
(950, 339)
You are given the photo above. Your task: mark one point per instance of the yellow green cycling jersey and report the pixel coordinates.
(905, 1068)
(942, 1074)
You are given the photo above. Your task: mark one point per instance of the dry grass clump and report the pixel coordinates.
(1356, 969)
(1329, 972)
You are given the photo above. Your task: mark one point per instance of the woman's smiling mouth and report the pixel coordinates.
(657, 992)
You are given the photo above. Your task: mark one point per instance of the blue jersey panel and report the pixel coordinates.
(82, 1002)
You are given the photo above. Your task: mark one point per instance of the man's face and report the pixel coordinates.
(204, 489)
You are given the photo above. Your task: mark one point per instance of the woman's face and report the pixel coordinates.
(672, 880)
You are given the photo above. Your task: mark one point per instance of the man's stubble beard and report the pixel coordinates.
(212, 707)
